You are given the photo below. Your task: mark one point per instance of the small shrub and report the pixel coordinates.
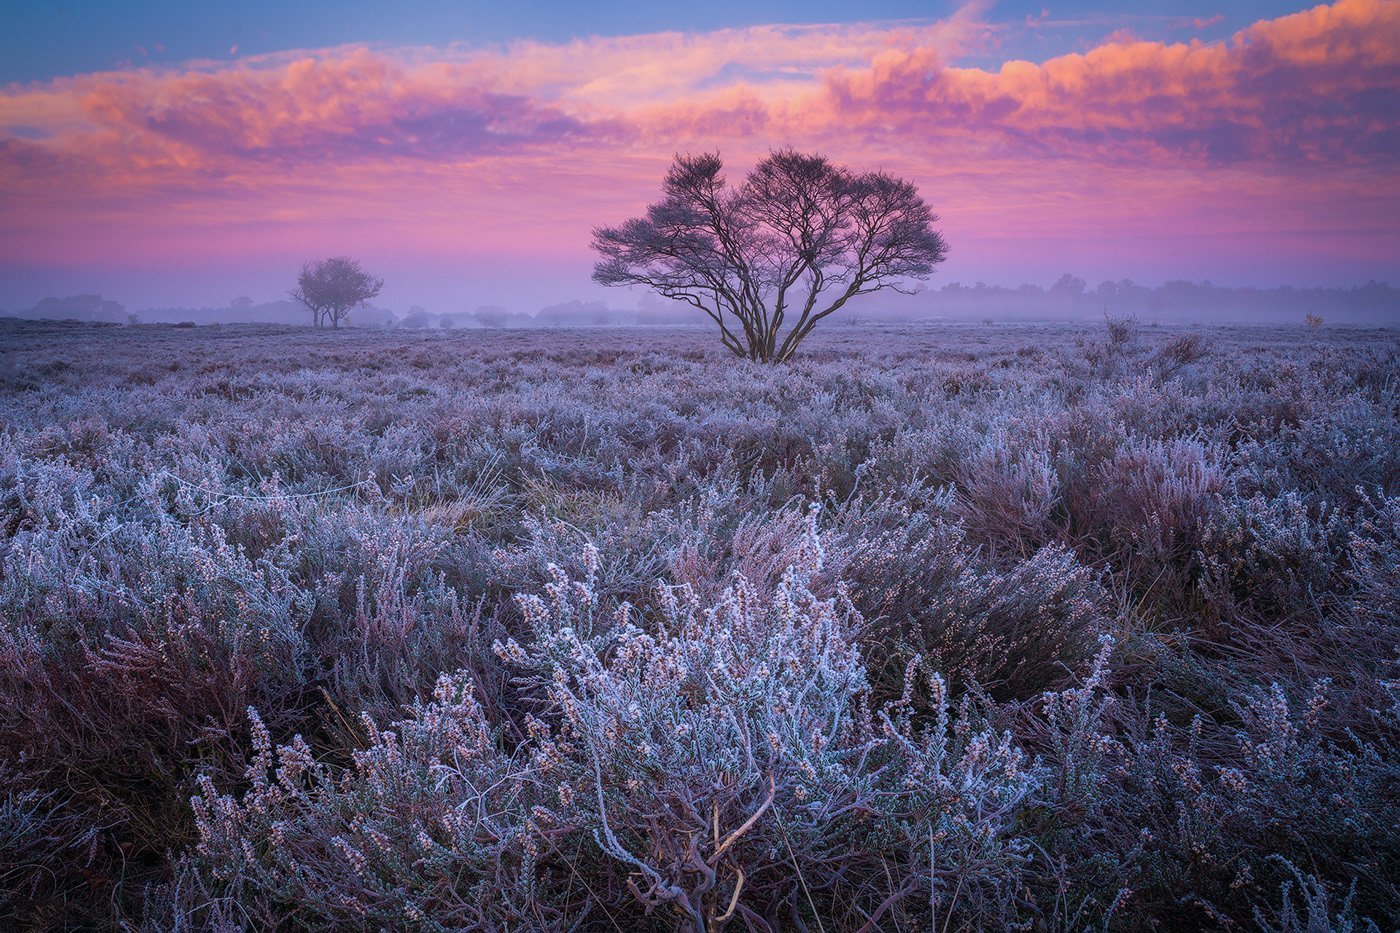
(1180, 352)
(1122, 329)
(1014, 631)
(720, 763)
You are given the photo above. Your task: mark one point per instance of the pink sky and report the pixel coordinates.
(468, 175)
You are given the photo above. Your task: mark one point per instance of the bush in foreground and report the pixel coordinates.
(715, 764)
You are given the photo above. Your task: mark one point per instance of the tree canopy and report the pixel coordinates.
(771, 258)
(334, 287)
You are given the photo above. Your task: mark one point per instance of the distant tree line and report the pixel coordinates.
(1072, 298)
(1374, 303)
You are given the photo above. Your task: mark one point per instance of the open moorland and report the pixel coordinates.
(935, 627)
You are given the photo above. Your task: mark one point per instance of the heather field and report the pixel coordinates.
(950, 627)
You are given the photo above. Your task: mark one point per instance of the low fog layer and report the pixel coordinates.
(1070, 298)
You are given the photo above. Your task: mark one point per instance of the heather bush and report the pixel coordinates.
(1270, 557)
(1178, 353)
(429, 824)
(1148, 507)
(1374, 562)
(718, 763)
(1317, 907)
(44, 847)
(124, 643)
(1144, 818)
(1011, 630)
(1008, 490)
(1216, 803)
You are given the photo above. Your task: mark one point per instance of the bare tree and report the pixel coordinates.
(771, 258)
(334, 287)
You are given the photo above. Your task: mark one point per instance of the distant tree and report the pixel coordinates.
(491, 316)
(653, 309)
(79, 308)
(573, 313)
(771, 258)
(332, 288)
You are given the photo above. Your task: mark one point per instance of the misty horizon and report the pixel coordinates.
(1067, 298)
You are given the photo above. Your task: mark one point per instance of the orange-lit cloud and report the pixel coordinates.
(1291, 124)
(1320, 87)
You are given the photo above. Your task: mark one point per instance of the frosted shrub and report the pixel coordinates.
(693, 748)
(1374, 552)
(1316, 915)
(761, 550)
(1008, 491)
(1178, 353)
(1269, 555)
(387, 652)
(726, 760)
(1148, 508)
(429, 826)
(1196, 811)
(44, 845)
(1121, 330)
(1337, 446)
(1080, 749)
(1303, 789)
(1112, 356)
(715, 764)
(1011, 629)
(387, 619)
(637, 546)
(123, 645)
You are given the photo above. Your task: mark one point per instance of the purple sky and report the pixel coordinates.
(185, 155)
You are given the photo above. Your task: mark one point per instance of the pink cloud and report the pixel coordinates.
(322, 109)
(1318, 87)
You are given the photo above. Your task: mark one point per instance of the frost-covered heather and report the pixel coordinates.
(951, 627)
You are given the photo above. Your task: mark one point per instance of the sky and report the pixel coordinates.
(167, 154)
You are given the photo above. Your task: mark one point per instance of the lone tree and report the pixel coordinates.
(334, 287)
(769, 259)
